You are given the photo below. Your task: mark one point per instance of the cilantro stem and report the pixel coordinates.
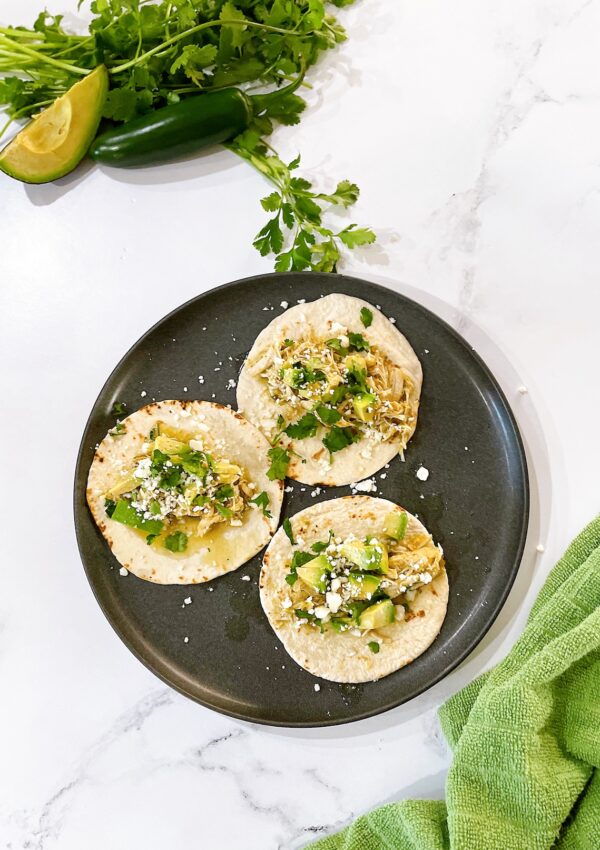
(191, 31)
(26, 110)
(41, 57)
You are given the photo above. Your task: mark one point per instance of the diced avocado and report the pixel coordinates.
(292, 376)
(355, 363)
(363, 585)
(125, 485)
(227, 472)
(395, 525)
(361, 404)
(376, 616)
(55, 141)
(372, 557)
(125, 514)
(315, 572)
(170, 446)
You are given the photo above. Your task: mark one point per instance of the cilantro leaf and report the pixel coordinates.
(327, 415)
(262, 501)
(373, 646)
(303, 428)
(337, 346)
(338, 438)
(193, 59)
(223, 510)
(354, 236)
(118, 408)
(287, 527)
(366, 316)
(176, 542)
(345, 194)
(358, 342)
(280, 460)
(269, 239)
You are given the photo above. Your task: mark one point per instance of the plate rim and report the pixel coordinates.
(455, 662)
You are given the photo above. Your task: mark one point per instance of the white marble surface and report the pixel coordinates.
(473, 129)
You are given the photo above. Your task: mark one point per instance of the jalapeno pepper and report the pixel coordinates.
(182, 128)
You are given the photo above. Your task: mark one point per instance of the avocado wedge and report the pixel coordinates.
(57, 139)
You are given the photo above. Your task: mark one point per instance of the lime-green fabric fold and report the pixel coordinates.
(526, 737)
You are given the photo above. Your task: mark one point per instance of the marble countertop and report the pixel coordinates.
(473, 130)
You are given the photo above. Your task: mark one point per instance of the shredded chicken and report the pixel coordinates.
(320, 372)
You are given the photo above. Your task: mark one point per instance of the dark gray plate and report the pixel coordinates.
(475, 503)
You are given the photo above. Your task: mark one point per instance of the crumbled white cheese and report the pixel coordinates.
(186, 639)
(540, 548)
(317, 688)
(230, 384)
(123, 571)
(366, 486)
(287, 603)
(143, 393)
(246, 578)
(187, 600)
(392, 320)
(200, 379)
(523, 390)
(321, 611)
(284, 304)
(422, 473)
(334, 601)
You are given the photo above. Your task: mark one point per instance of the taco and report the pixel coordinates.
(361, 591)
(180, 492)
(335, 387)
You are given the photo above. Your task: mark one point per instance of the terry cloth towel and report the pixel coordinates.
(525, 736)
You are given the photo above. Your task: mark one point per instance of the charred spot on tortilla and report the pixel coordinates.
(361, 594)
(185, 496)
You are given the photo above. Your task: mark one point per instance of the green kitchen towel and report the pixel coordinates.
(525, 736)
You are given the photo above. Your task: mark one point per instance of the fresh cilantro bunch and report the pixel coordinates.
(160, 52)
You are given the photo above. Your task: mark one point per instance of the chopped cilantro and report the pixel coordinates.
(171, 476)
(118, 430)
(225, 512)
(280, 460)
(304, 427)
(366, 316)
(150, 538)
(224, 492)
(358, 342)
(337, 346)
(327, 415)
(154, 507)
(287, 343)
(262, 501)
(176, 542)
(109, 507)
(118, 408)
(339, 438)
(373, 646)
(299, 559)
(287, 527)
(321, 545)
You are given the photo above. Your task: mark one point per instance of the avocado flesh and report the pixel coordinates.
(314, 573)
(170, 446)
(56, 140)
(364, 585)
(376, 616)
(395, 525)
(361, 404)
(366, 555)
